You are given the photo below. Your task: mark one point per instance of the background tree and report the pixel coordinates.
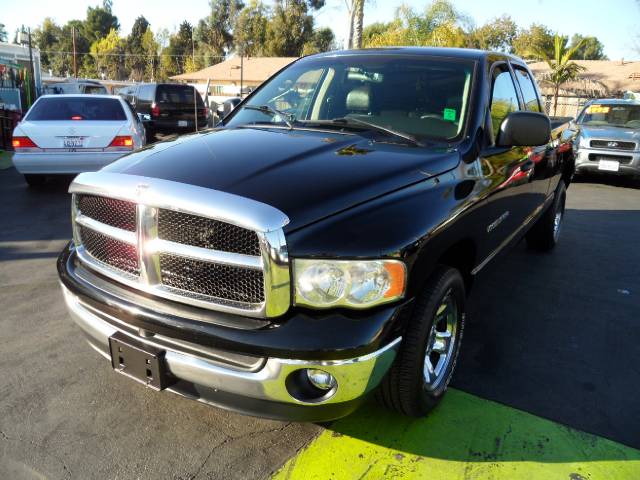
(355, 8)
(3, 33)
(250, 29)
(497, 34)
(180, 47)
(47, 37)
(100, 21)
(562, 68)
(534, 42)
(108, 54)
(214, 33)
(322, 40)
(591, 48)
(136, 61)
(151, 49)
(290, 27)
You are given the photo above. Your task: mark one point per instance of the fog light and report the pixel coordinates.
(321, 379)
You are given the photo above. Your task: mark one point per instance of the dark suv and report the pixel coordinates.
(172, 108)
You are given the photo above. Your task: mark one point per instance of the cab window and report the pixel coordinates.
(528, 90)
(504, 99)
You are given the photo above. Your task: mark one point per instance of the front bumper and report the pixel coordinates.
(47, 163)
(259, 390)
(587, 161)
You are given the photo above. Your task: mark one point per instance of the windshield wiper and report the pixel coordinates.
(286, 117)
(351, 121)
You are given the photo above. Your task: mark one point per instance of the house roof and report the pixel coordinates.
(600, 77)
(256, 69)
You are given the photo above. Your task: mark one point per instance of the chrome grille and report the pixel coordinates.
(206, 233)
(109, 251)
(613, 144)
(184, 243)
(110, 211)
(212, 280)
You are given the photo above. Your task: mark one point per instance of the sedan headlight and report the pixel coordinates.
(346, 283)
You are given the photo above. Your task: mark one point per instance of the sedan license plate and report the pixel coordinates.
(138, 361)
(609, 165)
(73, 142)
(182, 123)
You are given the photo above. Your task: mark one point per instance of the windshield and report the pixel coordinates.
(178, 94)
(627, 116)
(420, 96)
(76, 108)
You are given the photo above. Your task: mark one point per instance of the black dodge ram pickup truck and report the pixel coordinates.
(320, 243)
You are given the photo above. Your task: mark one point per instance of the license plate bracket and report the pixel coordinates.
(73, 142)
(138, 361)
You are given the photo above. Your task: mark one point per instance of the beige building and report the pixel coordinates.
(224, 77)
(600, 79)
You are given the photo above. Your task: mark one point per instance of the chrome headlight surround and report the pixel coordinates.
(357, 284)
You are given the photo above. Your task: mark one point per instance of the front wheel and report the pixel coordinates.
(419, 377)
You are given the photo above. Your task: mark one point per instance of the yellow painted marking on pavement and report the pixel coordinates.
(466, 437)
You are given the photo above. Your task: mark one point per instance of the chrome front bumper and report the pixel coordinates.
(584, 164)
(355, 376)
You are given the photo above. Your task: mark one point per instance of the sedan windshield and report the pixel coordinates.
(407, 97)
(627, 116)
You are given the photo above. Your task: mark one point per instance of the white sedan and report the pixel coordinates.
(68, 134)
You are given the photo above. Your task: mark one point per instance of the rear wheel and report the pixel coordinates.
(545, 234)
(425, 363)
(35, 181)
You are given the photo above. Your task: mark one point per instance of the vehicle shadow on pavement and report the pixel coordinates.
(612, 180)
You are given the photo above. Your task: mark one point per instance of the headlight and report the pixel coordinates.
(346, 283)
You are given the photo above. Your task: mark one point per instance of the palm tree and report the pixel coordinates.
(356, 14)
(562, 69)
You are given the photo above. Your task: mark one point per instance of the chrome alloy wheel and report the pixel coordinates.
(557, 225)
(441, 343)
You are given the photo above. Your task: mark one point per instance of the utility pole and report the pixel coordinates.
(73, 39)
(32, 81)
(241, 70)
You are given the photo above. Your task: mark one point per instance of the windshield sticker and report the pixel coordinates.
(598, 109)
(449, 114)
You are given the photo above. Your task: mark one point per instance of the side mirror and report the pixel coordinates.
(524, 129)
(144, 117)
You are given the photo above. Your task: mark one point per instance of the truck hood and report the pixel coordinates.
(610, 133)
(306, 174)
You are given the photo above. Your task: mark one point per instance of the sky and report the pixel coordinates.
(614, 22)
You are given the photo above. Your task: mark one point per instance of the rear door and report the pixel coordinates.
(179, 103)
(544, 156)
(75, 123)
(507, 170)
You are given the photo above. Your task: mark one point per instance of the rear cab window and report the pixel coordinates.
(529, 93)
(77, 108)
(178, 95)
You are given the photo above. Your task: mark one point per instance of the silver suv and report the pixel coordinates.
(608, 139)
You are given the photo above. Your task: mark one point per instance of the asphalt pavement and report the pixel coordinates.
(556, 335)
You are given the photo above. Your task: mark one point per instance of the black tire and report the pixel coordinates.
(545, 233)
(35, 181)
(404, 388)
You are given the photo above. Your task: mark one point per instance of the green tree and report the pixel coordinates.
(47, 37)
(322, 40)
(356, 19)
(562, 68)
(174, 56)
(136, 61)
(290, 27)
(214, 33)
(3, 33)
(250, 30)
(151, 48)
(108, 55)
(100, 21)
(497, 34)
(441, 24)
(591, 48)
(534, 42)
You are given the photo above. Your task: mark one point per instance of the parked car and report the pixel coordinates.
(608, 139)
(69, 134)
(88, 87)
(321, 243)
(171, 108)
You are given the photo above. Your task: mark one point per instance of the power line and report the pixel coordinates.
(145, 55)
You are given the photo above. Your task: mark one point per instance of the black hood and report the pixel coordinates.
(308, 175)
